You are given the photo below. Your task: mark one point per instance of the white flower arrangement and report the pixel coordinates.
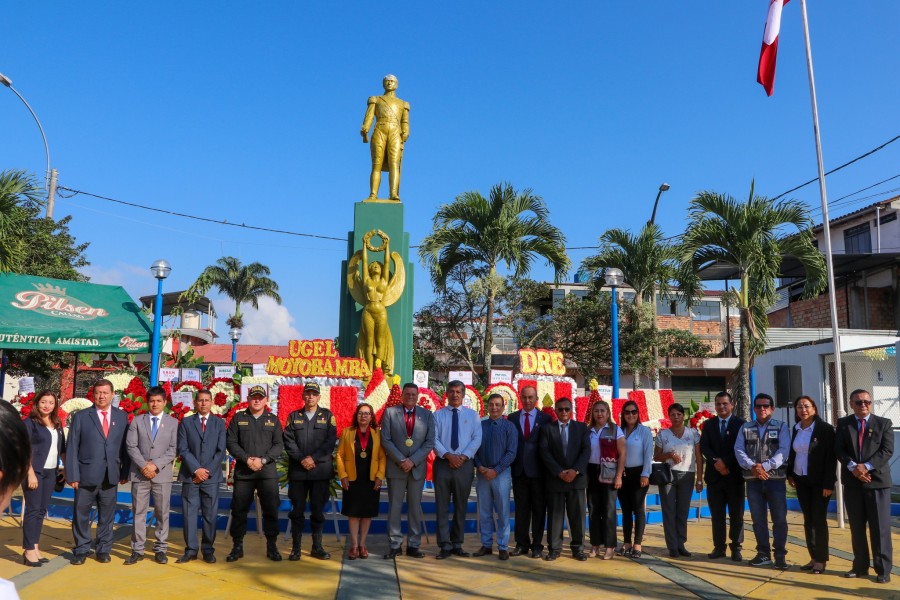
(73, 405)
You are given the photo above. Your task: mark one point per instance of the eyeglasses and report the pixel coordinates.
(862, 402)
(758, 406)
(804, 407)
(563, 409)
(629, 412)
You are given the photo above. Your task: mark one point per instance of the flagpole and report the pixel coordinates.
(826, 230)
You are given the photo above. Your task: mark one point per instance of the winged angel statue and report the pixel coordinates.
(373, 287)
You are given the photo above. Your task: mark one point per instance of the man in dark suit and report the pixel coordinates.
(565, 449)
(407, 436)
(724, 480)
(310, 435)
(864, 444)
(201, 445)
(96, 463)
(528, 476)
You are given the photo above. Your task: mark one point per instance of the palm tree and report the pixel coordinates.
(753, 236)
(241, 283)
(16, 188)
(509, 227)
(649, 262)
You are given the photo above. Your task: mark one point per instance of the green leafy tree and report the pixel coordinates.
(753, 236)
(508, 228)
(18, 190)
(245, 284)
(680, 343)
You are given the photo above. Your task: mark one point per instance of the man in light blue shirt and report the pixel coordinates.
(762, 447)
(457, 439)
(499, 442)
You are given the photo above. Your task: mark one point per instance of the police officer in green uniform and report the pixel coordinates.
(310, 436)
(254, 439)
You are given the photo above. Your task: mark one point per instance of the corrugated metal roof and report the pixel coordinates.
(783, 337)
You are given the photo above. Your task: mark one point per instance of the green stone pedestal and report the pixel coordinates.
(388, 217)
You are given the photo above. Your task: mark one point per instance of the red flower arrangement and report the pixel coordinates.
(699, 419)
(393, 400)
(136, 388)
(26, 405)
(429, 399)
(180, 410)
(474, 397)
(220, 399)
(196, 385)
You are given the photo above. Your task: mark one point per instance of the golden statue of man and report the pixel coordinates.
(375, 289)
(391, 116)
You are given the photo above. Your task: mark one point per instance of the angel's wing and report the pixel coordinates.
(397, 283)
(354, 282)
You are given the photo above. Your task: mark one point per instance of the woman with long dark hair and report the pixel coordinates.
(15, 454)
(48, 448)
(812, 468)
(635, 479)
(604, 471)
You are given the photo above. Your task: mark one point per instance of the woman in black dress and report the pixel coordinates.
(360, 464)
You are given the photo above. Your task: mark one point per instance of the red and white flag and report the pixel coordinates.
(766, 73)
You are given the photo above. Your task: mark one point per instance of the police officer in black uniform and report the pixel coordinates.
(309, 437)
(254, 439)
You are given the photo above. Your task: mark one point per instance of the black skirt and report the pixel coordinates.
(361, 499)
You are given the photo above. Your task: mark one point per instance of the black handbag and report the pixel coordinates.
(60, 481)
(660, 473)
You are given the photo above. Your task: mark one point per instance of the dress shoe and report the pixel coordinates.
(684, 552)
(854, 575)
(518, 551)
(237, 551)
(161, 558)
(414, 552)
(883, 579)
(43, 560)
(673, 553)
(551, 556)
(443, 554)
(319, 552)
(185, 558)
(134, 558)
(78, 559)
(808, 566)
(736, 556)
(103, 557)
(209, 557)
(460, 552)
(717, 553)
(29, 563)
(536, 553)
(503, 554)
(363, 552)
(482, 551)
(353, 553)
(394, 553)
(580, 556)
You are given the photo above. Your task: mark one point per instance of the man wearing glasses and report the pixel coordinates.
(864, 444)
(761, 448)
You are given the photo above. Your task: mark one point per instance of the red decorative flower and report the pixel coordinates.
(220, 399)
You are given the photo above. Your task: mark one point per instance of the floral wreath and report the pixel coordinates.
(472, 399)
(699, 419)
(429, 399)
(510, 396)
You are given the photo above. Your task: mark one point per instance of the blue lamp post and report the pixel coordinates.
(614, 278)
(161, 270)
(235, 335)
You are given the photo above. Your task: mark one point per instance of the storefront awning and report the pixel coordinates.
(37, 313)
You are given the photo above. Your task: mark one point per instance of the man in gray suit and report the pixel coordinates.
(201, 445)
(96, 462)
(407, 436)
(151, 442)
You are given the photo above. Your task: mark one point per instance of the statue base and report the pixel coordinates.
(386, 215)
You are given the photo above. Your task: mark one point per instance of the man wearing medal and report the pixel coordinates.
(407, 436)
(310, 435)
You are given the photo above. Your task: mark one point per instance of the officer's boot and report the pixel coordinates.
(295, 548)
(237, 550)
(272, 549)
(317, 550)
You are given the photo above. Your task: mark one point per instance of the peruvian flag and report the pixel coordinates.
(766, 73)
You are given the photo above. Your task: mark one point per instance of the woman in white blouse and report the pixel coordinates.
(605, 467)
(679, 446)
(635, 479)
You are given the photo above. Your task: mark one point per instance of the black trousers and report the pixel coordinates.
(601, 509)
(815, 515)
(200, 500)
(571, 503)
(316, 492)
(727, 495)
(86, 496)
(872, 508)
(531, 511)
(632, 500)
(36, 502)
(241, 498)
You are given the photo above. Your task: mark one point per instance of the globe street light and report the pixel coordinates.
(662, 188)
(614, 278)
(160, 270)
(50, 174)
(235, 335)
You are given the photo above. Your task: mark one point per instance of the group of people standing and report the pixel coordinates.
(555, 470)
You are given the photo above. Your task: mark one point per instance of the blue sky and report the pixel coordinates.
(251, 113)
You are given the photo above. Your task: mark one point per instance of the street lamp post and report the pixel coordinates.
(235, 335)
(51, 174)
(662, 188)
(614, 278)
(160, 270)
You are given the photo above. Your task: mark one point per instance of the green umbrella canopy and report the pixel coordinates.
(37, 313)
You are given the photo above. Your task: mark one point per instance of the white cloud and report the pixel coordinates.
(271, 324)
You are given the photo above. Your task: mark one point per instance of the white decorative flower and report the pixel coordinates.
(120, 380)
(75, 404)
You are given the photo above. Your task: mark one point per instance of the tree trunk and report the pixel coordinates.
(636, 374)
(489, 328)
(742, 391)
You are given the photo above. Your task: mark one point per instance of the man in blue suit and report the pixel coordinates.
(201, 445)
(96, 463)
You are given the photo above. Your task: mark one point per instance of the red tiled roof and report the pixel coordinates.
(246, 353)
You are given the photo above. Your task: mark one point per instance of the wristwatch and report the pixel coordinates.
(264, 460)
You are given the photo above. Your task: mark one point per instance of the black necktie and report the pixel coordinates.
(722, 427)
(454, 431)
